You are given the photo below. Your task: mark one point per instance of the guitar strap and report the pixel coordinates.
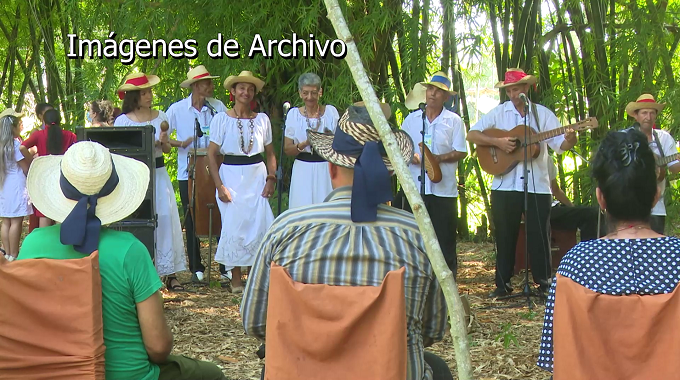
(658, 145)
(535, 112)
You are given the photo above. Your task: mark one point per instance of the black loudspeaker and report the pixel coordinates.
(137, 143)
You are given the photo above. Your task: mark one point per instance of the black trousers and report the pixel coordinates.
(582, 217)
(193, 246)
(507, 208)
(440, 370)
(444, 215)
(658, 223)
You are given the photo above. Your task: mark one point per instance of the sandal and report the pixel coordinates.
(177, 287)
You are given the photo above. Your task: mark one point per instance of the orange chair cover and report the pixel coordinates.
(317, 331)
(605, 337)
(51, 319)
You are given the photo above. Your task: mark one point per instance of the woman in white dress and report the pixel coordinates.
(137, 98)
(243, 182)
(310, 182)
(15, 203)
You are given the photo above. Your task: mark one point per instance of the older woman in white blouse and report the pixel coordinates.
(310, 182)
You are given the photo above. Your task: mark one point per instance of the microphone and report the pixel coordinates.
(210, 107)
(421, 106)
(199, 132)
(524, 98)
(286, 108)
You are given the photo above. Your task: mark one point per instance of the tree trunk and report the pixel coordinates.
(448, 284)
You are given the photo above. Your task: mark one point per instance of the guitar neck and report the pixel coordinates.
(668, 159)
(538, 137)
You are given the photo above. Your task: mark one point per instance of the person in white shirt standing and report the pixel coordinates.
(182, 117)
(445, 137)
(645, 110)
(507, 190)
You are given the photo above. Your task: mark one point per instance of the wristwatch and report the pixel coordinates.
(298, 148)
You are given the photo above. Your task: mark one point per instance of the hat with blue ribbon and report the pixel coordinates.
(356, 145)
(440, 80)
(86, 188)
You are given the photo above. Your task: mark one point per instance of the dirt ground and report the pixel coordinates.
(504, 340)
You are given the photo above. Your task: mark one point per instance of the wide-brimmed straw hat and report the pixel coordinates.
(87, 166)
(515, 77)
(440, 80)
(194, 75)
(416, 97)
(644, 101)
(244, 77)
(11, 112)
(137, 81)
(357, 123)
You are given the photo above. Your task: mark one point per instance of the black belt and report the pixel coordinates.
(160, 162)
(309, 157)
(242, 160)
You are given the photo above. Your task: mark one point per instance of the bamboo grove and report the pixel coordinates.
(591, 58)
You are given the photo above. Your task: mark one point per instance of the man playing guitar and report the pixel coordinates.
(507, 190)
(644, 110)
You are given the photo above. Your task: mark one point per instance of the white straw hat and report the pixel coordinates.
(87, 166)
(244, 77)
(642, 102)
(11, 112)
(196, 74)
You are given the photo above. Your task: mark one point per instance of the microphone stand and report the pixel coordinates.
(526, 290)
(422, 158)
(192, 201)
(279, 170)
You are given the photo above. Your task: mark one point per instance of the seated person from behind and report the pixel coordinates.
(619, 264)
(565, 216)
(299, 241)
(136, 335)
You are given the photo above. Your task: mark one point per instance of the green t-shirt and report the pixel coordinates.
(128, 277)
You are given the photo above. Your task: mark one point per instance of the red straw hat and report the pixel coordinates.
(137, 81)
(514, 77)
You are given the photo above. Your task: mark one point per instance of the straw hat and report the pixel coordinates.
(415, 97)
(515, 77)
(194, 75)
(87, 166)
(643, 101)
(357, 123)
(386, 109)
(244, 77)
(11, 112)
(440, 80)
(137, 81)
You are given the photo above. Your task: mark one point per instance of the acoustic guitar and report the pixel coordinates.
(661, 162)
(432, 169)
(496, 162)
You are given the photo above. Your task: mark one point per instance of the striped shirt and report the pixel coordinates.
(319, 244)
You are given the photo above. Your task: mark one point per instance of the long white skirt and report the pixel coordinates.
(310, 183)
(246, 219)
(170, 252)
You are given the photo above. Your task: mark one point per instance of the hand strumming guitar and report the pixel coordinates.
(507, 144)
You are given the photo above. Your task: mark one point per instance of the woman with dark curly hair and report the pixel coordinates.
(612, 309)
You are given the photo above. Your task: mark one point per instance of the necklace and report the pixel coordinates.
(142, 120)
(318, 120)
(628, 227)
(252, 134)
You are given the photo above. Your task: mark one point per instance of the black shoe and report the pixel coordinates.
(500, 293)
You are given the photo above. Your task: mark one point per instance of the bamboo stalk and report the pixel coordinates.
(434, 253)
